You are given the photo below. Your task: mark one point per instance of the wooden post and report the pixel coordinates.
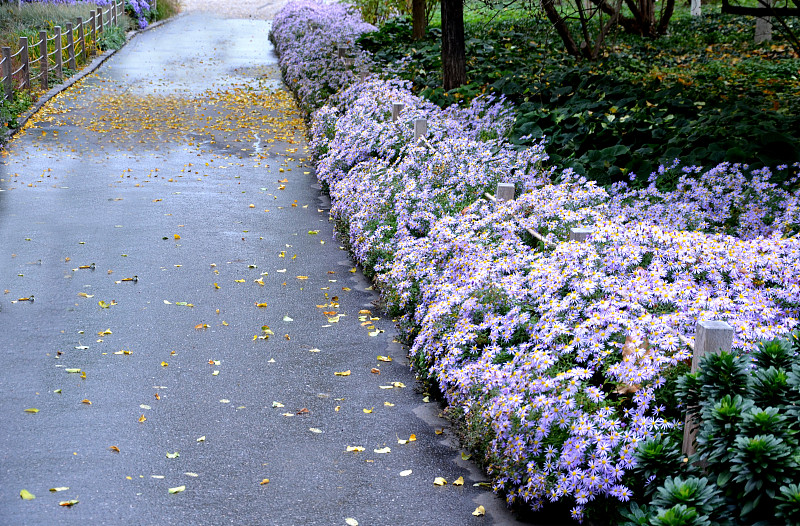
(59, 52)
(505, 192)
(342, 51)
(695, 8)
(71, 47)
(397, 107)
(113, 13)
(8, 85)
(580, 234)
(348, 62)
(25, 57)
(363, 75)
(43, 65)
(710, 336)
(82, 37)
(420, 129)
(93, 33)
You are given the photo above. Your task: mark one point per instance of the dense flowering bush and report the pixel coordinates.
(558, 354)
(140, 10)
(306, 36)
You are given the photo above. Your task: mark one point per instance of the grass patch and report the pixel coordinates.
(705, 93)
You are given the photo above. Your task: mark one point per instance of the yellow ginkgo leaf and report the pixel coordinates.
(26, 495)
(343, 373)
(459, 481)
(350, 521)
(264, 482)
(406, 473)
(480, 511)
(368, 410)
(382, 450)
(356, 449)
(384, 358)
(439, 481)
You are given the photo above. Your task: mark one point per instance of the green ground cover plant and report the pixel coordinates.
(704, 93)
(747, 463)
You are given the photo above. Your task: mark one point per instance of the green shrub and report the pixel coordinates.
(747, 464)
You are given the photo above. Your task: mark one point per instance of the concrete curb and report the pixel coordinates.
(83, 73)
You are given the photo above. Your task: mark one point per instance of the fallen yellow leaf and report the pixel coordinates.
(382, 450)
(459, 481)
(368, 410)
(480, 511)
(384, 358)
(356, 449)
(343, 373)
(439, 481)
(263, 482)
(115, 449)
(142, 419)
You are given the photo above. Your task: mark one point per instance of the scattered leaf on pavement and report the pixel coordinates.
(26, 495)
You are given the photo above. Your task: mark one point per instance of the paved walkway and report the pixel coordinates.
(176, 308)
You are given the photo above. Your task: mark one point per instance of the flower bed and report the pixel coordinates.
(558, 357)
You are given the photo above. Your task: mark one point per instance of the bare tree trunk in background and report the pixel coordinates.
(454, 62)
(420, 19)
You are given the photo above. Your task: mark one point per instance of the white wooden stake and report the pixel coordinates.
(397, 107)
(695, 7)
(710, 336)
(505, 192)
(420, 129)
(580, 234)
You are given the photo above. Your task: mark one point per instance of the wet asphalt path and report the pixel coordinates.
(180, 162)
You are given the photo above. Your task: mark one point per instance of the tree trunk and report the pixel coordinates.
(420, 19)
(561, 27)
(454, 66)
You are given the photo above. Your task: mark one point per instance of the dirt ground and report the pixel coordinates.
(260, 9)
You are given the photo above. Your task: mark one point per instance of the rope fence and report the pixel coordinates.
(77, 44)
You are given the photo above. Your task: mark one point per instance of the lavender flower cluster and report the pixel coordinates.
(140, 9)
(558, 349)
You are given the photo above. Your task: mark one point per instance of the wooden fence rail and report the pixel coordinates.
(50, 54)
